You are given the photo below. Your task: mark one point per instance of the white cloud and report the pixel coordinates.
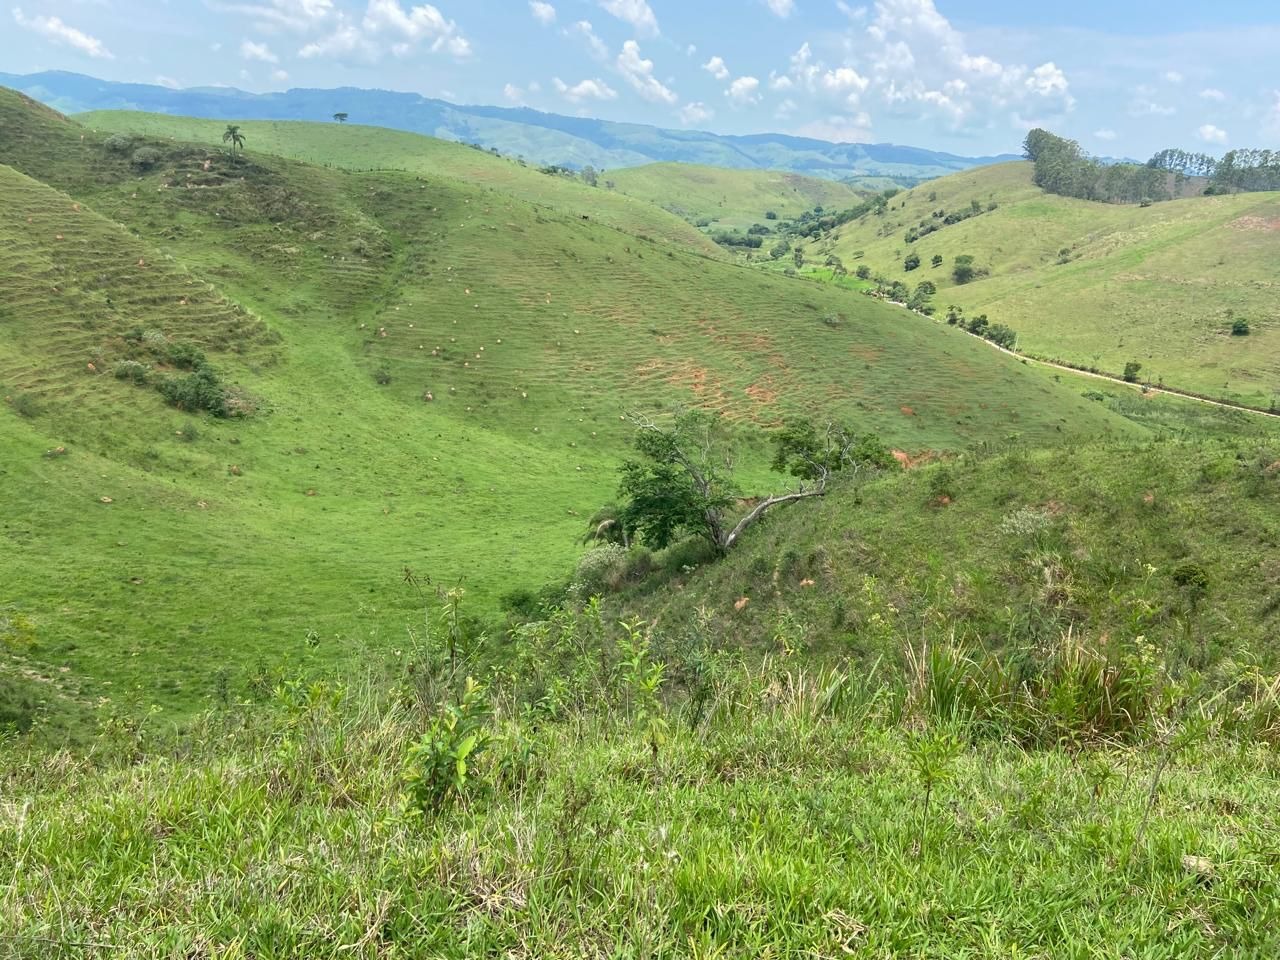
(1047, 80)
(163, 81)
(280, 76)
(301, 16)
(845, 81)
(744, 91)
(1214, 94)
(54, 30)
(544, 13)
(638, 72)
(1173, 76)
(345, 42)
(1144, 106)
(598, 48)
(717, 68)
(1211, 134)
(585, 90)
(638, 13)
(415, 25)
(1104, 134)
(837, 129)
(257, 51)
(513, 94)
(908, 58)
(693, 113)
(782, 8)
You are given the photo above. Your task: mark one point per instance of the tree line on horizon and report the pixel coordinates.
(1063, 168)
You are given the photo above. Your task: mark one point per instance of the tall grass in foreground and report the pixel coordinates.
(610, 803)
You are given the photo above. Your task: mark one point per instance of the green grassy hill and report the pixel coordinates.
(1018, 700)
(439, 370)
(1084, 799)
(1007, 553)
(731, 199)
(355, 147)
(1098, 284)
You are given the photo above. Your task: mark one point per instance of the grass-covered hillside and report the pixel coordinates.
(1098, 284)
(1004, 554)
(874, 786)
(433, 371)
(356, 147)
(730, 199)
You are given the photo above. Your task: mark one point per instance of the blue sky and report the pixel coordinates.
(1125, 77)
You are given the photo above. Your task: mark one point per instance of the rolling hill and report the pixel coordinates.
(1097, 284)
(519, 132)
(404, 339)
(356, 147)
(730, 199)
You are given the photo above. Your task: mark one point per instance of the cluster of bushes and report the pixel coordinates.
(198, 389)
(981, 326)
(814, 223)
(748, 241)
(941, 218)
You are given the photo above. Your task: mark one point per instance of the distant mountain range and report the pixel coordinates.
(545, 138)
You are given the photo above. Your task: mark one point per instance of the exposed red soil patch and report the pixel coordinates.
(764, 391)
(909, 462)
(907, 411)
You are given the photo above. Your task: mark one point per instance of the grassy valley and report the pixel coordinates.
(403, 339)
(730, 199)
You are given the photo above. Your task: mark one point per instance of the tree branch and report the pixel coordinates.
(759, 511)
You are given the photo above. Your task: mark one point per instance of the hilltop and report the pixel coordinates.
(404, 339)
(541, 138)
(1098, 285)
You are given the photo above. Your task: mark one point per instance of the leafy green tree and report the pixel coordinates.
(963, 271)
(340, 117)
(233, 136)
(1240, 327)
(1131, 371)
(589, 176)
(912, 262)
(682, 483)
(937, 260)
(863, 272)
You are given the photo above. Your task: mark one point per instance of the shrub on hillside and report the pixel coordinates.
(184, 356)
(144, 158)
(132, 370)
(118, 143)
(1240, 328)
(25, 405)
(199, 391)
(597, 569)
